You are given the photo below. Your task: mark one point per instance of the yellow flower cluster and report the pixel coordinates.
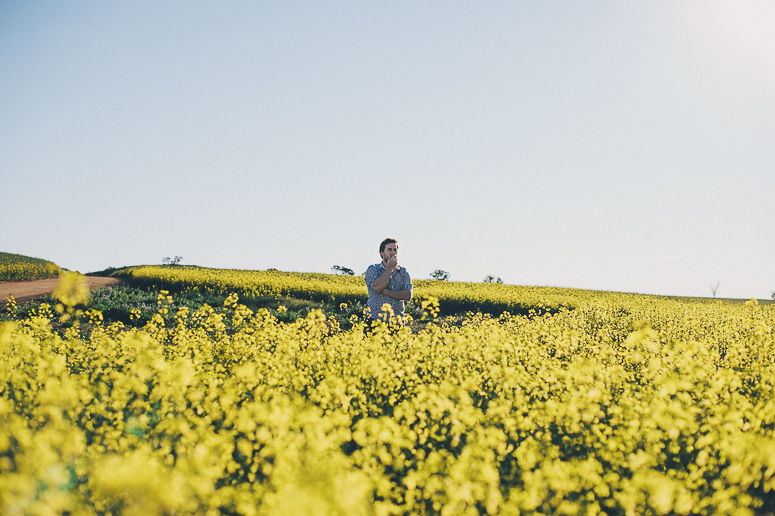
(645, 407)
(73, 296)
(248, 283)
(14, 267)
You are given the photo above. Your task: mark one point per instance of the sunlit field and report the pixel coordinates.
(15, 267)
(573, 402)
(453, 297)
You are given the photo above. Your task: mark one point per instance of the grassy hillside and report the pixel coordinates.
(453, 297)
(16, 267)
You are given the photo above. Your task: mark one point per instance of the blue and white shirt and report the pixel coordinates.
(399, 280)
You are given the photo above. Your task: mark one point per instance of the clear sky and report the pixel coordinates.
(611, 145)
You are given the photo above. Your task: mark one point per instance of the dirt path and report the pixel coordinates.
(23, 290)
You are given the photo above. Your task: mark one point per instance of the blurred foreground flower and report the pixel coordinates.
(73, 296)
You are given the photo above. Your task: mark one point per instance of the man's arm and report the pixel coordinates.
(405, 294)
(381, 283)
(401, 295)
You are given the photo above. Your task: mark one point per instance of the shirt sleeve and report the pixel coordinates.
(372, 273)
(406, 281)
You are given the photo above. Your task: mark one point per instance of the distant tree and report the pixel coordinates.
(343, 271)
(492, 279)
(773, 294)
(714, 288)
(165, 260)
(171, 261)
(440, 275)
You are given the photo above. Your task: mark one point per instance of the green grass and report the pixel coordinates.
(118, 302)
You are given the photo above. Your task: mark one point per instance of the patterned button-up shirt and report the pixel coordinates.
(399, 280)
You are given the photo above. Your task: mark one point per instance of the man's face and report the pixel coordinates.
(390, 250)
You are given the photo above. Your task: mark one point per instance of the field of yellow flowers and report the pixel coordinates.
(621, 405)
(15, 267)
(452, 297)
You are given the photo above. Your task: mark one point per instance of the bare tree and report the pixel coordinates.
(714, 288)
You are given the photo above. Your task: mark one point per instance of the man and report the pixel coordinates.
(388, 283)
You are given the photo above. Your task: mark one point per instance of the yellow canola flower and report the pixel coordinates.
(619, 406)
(335, 290)
(72, 290)
(14, 267)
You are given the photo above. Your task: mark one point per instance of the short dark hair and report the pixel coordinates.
(386, 242)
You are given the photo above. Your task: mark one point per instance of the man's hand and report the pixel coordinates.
(392, 262)
(381, 283)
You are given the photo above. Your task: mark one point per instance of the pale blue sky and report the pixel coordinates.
(610, 145)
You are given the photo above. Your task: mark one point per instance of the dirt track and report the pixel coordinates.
(23, 290)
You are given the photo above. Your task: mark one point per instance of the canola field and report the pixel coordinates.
(622, 405)
(15, 267)
(452, 297)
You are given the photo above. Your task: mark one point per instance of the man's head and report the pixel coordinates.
(388, 248)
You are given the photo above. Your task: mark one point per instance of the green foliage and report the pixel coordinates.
(338, 269)
(440, 275)
(135, 307)
(15, 267)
